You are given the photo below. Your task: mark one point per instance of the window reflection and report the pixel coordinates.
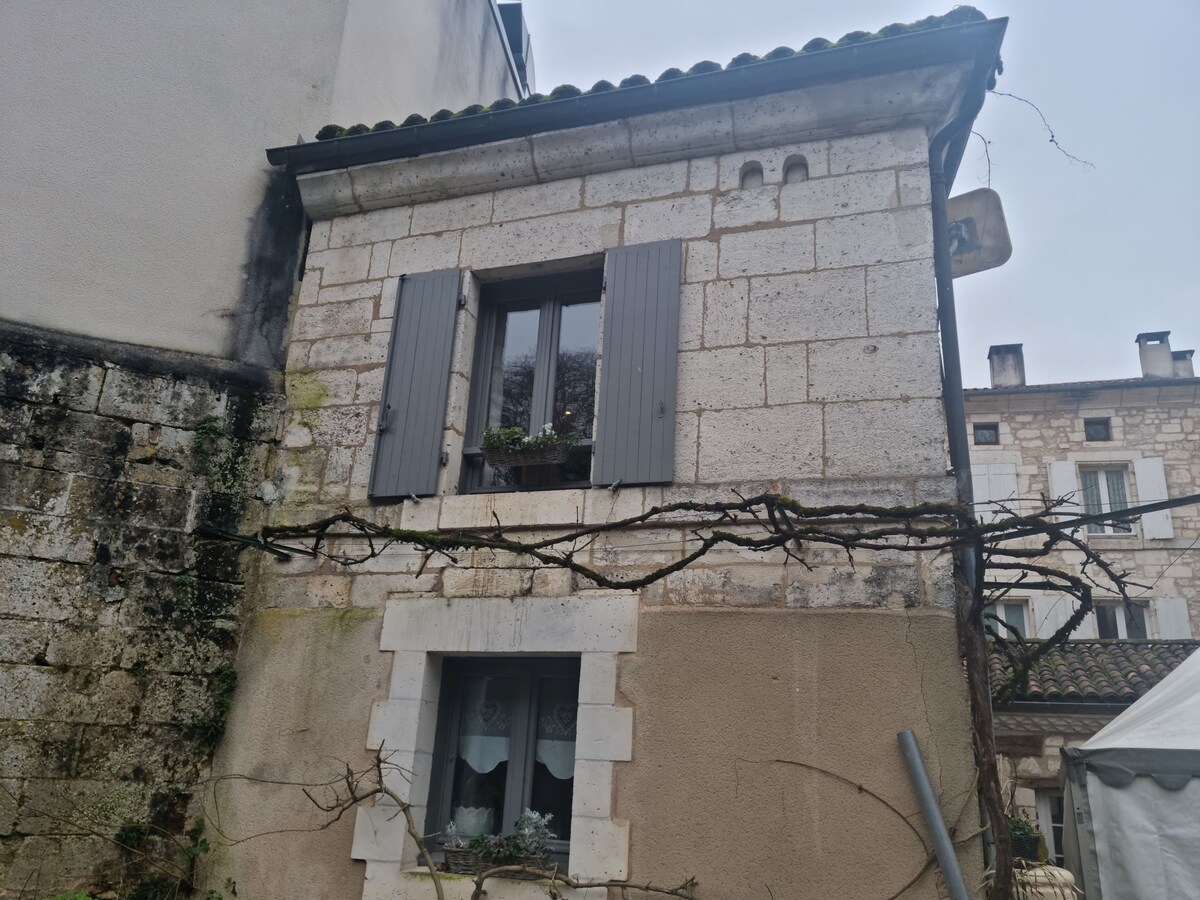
(511, 402)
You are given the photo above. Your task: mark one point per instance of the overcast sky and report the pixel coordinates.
(1099, 254)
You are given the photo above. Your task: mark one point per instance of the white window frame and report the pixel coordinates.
(1122, 624)
(1102, 472)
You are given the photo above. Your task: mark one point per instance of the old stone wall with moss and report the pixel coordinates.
(118, 627)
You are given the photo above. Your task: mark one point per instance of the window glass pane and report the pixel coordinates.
(1097, 430)
(554, 752)
(1135, 623)
(575, 372)
(1014, 616)
(1116, 496)
(987, 433)
(1089, 480)
(515, 351)
(484, 746)
(1106, 622)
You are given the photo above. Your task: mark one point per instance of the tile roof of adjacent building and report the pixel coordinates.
(1096, 671)
(896, 45)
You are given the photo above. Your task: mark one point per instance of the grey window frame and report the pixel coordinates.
(994, 426)
(519, 781)
(549, 293)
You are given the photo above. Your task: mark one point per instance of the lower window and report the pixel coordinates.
(1116, 621)
(505, 743)
(1050, 820)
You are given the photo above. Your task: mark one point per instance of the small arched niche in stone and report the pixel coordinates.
(795, 169)
(751, 175)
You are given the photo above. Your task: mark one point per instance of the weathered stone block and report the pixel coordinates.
(427, 253)
(875, 368)
(344, 426)
(702, 174)
(329, 319)
(341, 266)
(151, 505)
(752, 206)
(882, 150)
(902, 298)
(176, 699)
(40, 490)
(787, 374)
(893, 587)
(778, 442)
(604, 733)
(691, 316)
(749, 585)
(884, 438)
(364, 228)
(767, 251)
(701, 261)
(729, 378)
(45, 537)
(65, 382)
(458, 582)
(725, 304)
(447, 215)
(37, 589)
(642, 183)
(807, 307)
(687, 132)
(536, 200)
(872, 238)
(660, 220)
(23, 641)
(344, 293)
(914, 186)
(337, 352)
(537, 240)
(160, 399)
(824, 198)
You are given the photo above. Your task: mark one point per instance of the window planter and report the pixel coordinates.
(463, 861)
(541, 456)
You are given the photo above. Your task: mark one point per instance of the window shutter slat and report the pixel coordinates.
(416, 386)
(635, 430)
(1150, 478)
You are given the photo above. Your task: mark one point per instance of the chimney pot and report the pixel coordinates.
(1154, 348)
(1008, 365)
(1181, 361)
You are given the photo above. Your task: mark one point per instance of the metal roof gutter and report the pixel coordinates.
(978, 42)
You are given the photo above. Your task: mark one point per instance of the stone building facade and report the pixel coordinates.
(1104, 445)
(737, 720)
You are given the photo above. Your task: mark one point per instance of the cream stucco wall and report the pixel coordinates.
(135, 132)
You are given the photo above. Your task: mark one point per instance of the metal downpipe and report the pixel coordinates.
(942, 845)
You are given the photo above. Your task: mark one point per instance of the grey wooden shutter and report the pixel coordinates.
(412, 411)
(635, 430)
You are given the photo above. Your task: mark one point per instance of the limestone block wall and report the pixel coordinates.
(117, 627)
(1146, 422)
(808, 364)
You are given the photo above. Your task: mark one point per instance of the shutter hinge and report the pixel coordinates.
(604, 284)
(462, 301)
(444, 458)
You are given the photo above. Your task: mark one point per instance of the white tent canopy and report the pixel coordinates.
(1134, 789)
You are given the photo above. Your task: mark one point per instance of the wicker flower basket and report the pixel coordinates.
(542, 456)
(1026, 846)
(461, 861)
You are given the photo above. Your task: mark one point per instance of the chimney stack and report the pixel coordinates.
(1155, 352)
(1181, 361)
(1008, 365)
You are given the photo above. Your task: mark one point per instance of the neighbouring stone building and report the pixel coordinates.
(151, 258)
(720, 282)
(1104, 445)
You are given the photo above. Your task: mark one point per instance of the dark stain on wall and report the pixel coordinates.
(274, 242)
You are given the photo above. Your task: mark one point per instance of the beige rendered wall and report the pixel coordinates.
(755, 730)
(135, 134)
(306, 678)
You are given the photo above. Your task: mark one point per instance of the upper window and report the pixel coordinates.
(1104, 490)
(987, 432)
(535, 366)
(1013, 615)
(1097, 429)
(505, 743)
(1116, 621)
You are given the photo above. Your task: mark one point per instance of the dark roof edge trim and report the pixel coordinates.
(1075, 386)
(975, 41)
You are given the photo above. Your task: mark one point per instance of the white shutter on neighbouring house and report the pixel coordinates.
(993, 483)
(1064, 482)
(1150, 479)
(1048, 613)
(1173, 621)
